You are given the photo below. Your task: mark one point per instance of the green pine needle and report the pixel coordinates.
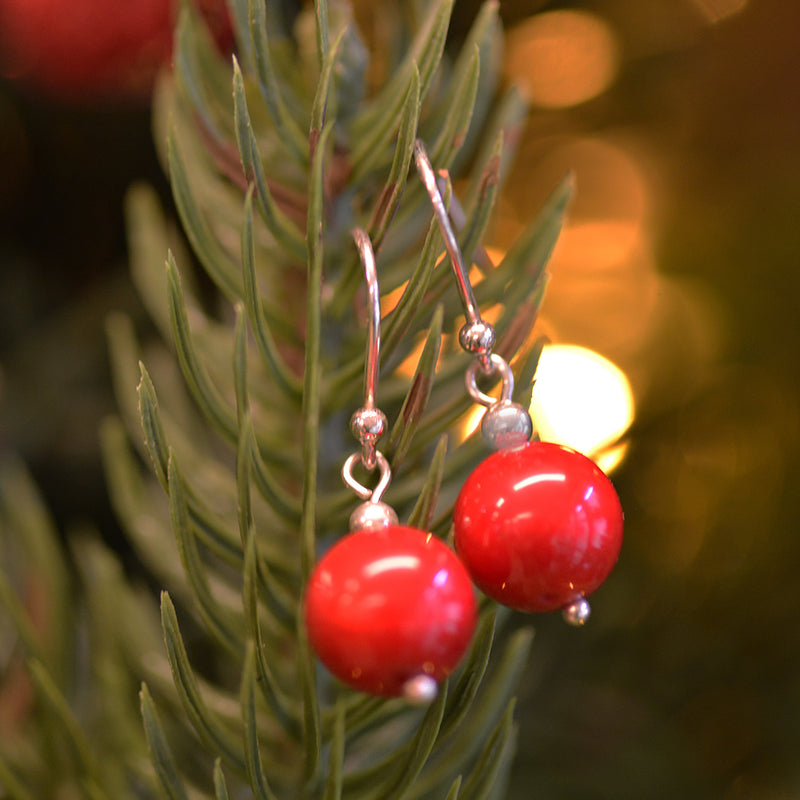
(160, 755)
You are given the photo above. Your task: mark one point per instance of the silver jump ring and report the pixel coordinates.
(373, 495)
(498, 365)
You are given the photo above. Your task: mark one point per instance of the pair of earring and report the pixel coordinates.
(390, 610)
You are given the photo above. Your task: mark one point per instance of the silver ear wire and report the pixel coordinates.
(369, 423)
(476, 337)
(459, 219)
(505, 423)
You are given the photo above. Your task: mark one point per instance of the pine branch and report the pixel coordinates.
(242, 413)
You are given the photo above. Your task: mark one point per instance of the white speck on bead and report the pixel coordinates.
(578, 612)
(420, 690)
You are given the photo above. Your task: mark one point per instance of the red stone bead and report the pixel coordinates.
(537, 526)
(385, 606)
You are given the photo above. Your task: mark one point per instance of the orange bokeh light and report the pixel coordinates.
(561, 58)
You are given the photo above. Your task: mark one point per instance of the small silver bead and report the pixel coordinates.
(368, 424)
(420, 690)
(578, 612)
(371, 516)
(477, 338)
(506, 424)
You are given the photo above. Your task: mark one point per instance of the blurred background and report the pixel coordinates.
(674, 316)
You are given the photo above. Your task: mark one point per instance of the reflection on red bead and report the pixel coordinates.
(387, 605)
(537, 525)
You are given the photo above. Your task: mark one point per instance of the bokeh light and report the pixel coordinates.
(611, 206)
(582, 400)
(562, 58)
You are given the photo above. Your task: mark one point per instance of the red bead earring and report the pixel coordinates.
(538, 525)
(389, 609)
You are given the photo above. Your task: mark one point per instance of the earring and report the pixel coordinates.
(538, 525)
(390, 610)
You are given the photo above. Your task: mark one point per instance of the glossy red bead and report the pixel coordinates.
(538, 525)
(385, 606)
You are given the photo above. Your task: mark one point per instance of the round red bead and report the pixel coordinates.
(387, 605)
(537, 526)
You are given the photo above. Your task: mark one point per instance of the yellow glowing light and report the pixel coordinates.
(562, 57)
(470, 423)
(610, 458)
(582, 400)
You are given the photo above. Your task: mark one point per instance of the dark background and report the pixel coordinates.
(685, 683)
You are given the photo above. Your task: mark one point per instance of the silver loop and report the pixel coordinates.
(373, 495)
(498, 364)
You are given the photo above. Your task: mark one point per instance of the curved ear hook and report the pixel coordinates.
(476, 337)
(505, 422)
(369, 422)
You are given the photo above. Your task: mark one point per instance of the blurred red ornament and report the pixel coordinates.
(538, 526)
(215, 13)
(387, 606)
(88, 50)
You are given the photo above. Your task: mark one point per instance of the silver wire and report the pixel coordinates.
(459, 219)
(369, 423)
(428, 176)
(373, 495)
(498, 365)
(505, 420)
(372, 363)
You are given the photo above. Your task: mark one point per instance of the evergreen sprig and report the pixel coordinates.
(242, 415)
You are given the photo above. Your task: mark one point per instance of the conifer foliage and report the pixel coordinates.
(224, 463)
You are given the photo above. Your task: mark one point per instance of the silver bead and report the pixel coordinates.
(577, 613)
(506, 424)
(372, 515)
(477, 338)
(420, 690)
(368, 424)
